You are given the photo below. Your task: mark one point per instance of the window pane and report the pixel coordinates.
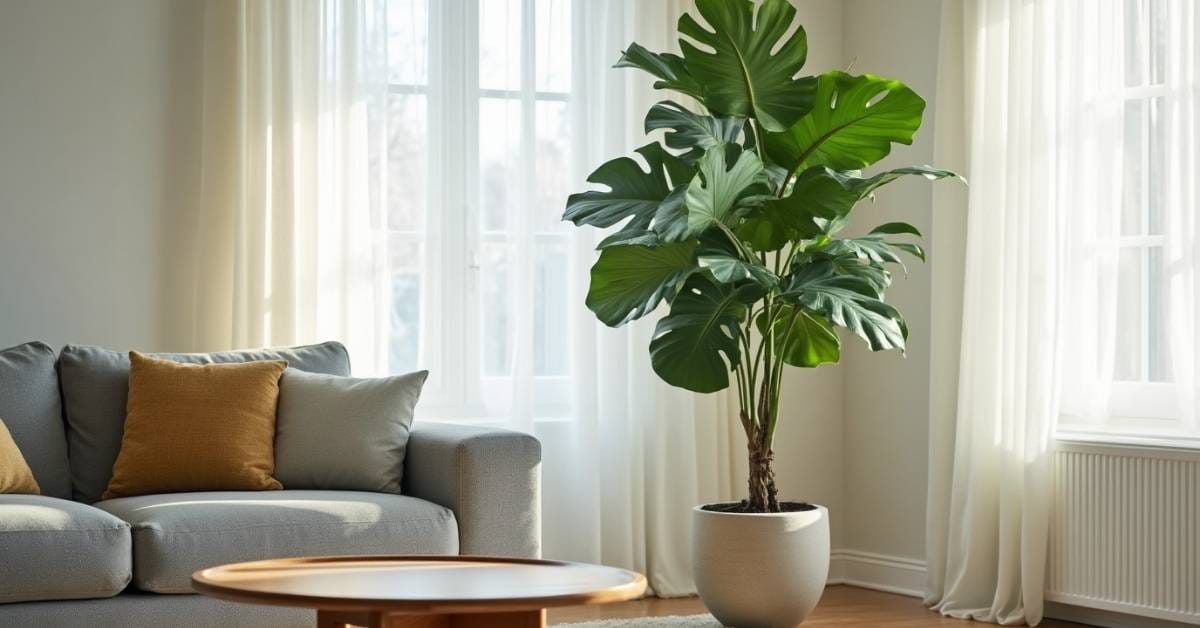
(405, 329)
(408, 41)
(407, 159)
(499, 160)
(1157, 175)
(553, 48)
(1134, 172)
(550, 344)
(500, 44)
(494, 308)
(1127, 362)
(552, 153)
(1145, 42)
(1158, 340)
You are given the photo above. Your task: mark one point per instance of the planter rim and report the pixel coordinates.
(795, 513)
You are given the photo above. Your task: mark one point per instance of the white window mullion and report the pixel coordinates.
(448, 277)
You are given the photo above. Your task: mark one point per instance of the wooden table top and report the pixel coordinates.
(419, 584)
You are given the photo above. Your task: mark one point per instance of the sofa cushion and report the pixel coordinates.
(29, 403)
(95, 385)
(344, 433)
(197, 427)
(54, 549)
(176, 535)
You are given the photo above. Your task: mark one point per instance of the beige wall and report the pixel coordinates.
(808, 451)
(886, 400)
(97, 117)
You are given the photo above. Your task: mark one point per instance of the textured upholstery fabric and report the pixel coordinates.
(29, 403)
(15, 476)
(95, 384)
(134, 609)
(54, 549)
(175, 535)
(344, 433)
(490, 478)
(198, 427)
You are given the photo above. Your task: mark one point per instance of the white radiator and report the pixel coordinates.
(1125, 531)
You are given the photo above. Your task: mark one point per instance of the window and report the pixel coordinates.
(1141, 290)
(478, 149)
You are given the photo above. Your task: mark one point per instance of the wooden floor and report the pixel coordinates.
(840, 606)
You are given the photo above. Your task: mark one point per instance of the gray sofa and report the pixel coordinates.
(68, 558)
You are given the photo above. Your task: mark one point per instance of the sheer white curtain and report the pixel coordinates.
(1080, 148)
(391, 173)
(287, 242)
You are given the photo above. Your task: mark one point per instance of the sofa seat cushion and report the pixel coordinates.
(178, 534)
(54, 549)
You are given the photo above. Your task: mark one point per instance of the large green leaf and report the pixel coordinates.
(751, 61)
(848, 301)
(853, 123)
(727, 268)
(819, 203)
(802, 338)
(670, 69)
(696, 344)
(629, 281)
(729, 182)
(691, 131)
(632, 191)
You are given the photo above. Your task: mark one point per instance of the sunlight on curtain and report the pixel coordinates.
(1080, 268)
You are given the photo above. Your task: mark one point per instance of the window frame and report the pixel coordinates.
(454, 234)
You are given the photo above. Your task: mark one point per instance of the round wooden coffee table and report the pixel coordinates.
(421, 591)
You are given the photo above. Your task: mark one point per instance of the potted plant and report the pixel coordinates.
(735, 224)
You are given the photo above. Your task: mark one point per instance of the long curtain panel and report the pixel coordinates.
(1075, 124)
(390, 173)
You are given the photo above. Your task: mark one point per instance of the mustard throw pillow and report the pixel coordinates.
(15, 476)
(197, 427)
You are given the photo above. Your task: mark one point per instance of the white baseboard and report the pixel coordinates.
(906, 576)
(891, 574)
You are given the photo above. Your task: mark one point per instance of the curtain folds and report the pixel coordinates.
(294, 245)
(288, 245)
(1075, 123)
(990, 463)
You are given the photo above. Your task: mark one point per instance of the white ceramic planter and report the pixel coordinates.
(760, 570)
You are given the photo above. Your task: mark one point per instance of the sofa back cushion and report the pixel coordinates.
(95, 387)
(29, 403)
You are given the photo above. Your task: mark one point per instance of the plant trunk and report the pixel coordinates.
(762, 476)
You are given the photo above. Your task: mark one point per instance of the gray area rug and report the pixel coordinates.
(674, 621)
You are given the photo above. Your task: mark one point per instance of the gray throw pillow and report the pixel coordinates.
(344, 433)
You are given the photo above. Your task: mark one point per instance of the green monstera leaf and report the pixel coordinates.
(692, 131)
(819, 204)
(802, 337)
(730, 181)
(853, 124)
(729, 269)
(632, 191)
(848, 301)
(629, 281)
(751, 63)
(668, 68)
(696, 344)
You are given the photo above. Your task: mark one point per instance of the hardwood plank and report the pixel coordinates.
(840, 606)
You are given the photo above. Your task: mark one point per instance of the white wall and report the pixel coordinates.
(886, 400)
(97, 137)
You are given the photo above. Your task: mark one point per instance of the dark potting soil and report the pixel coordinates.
(744, 507)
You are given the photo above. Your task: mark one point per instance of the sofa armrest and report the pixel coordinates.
(490, 478)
